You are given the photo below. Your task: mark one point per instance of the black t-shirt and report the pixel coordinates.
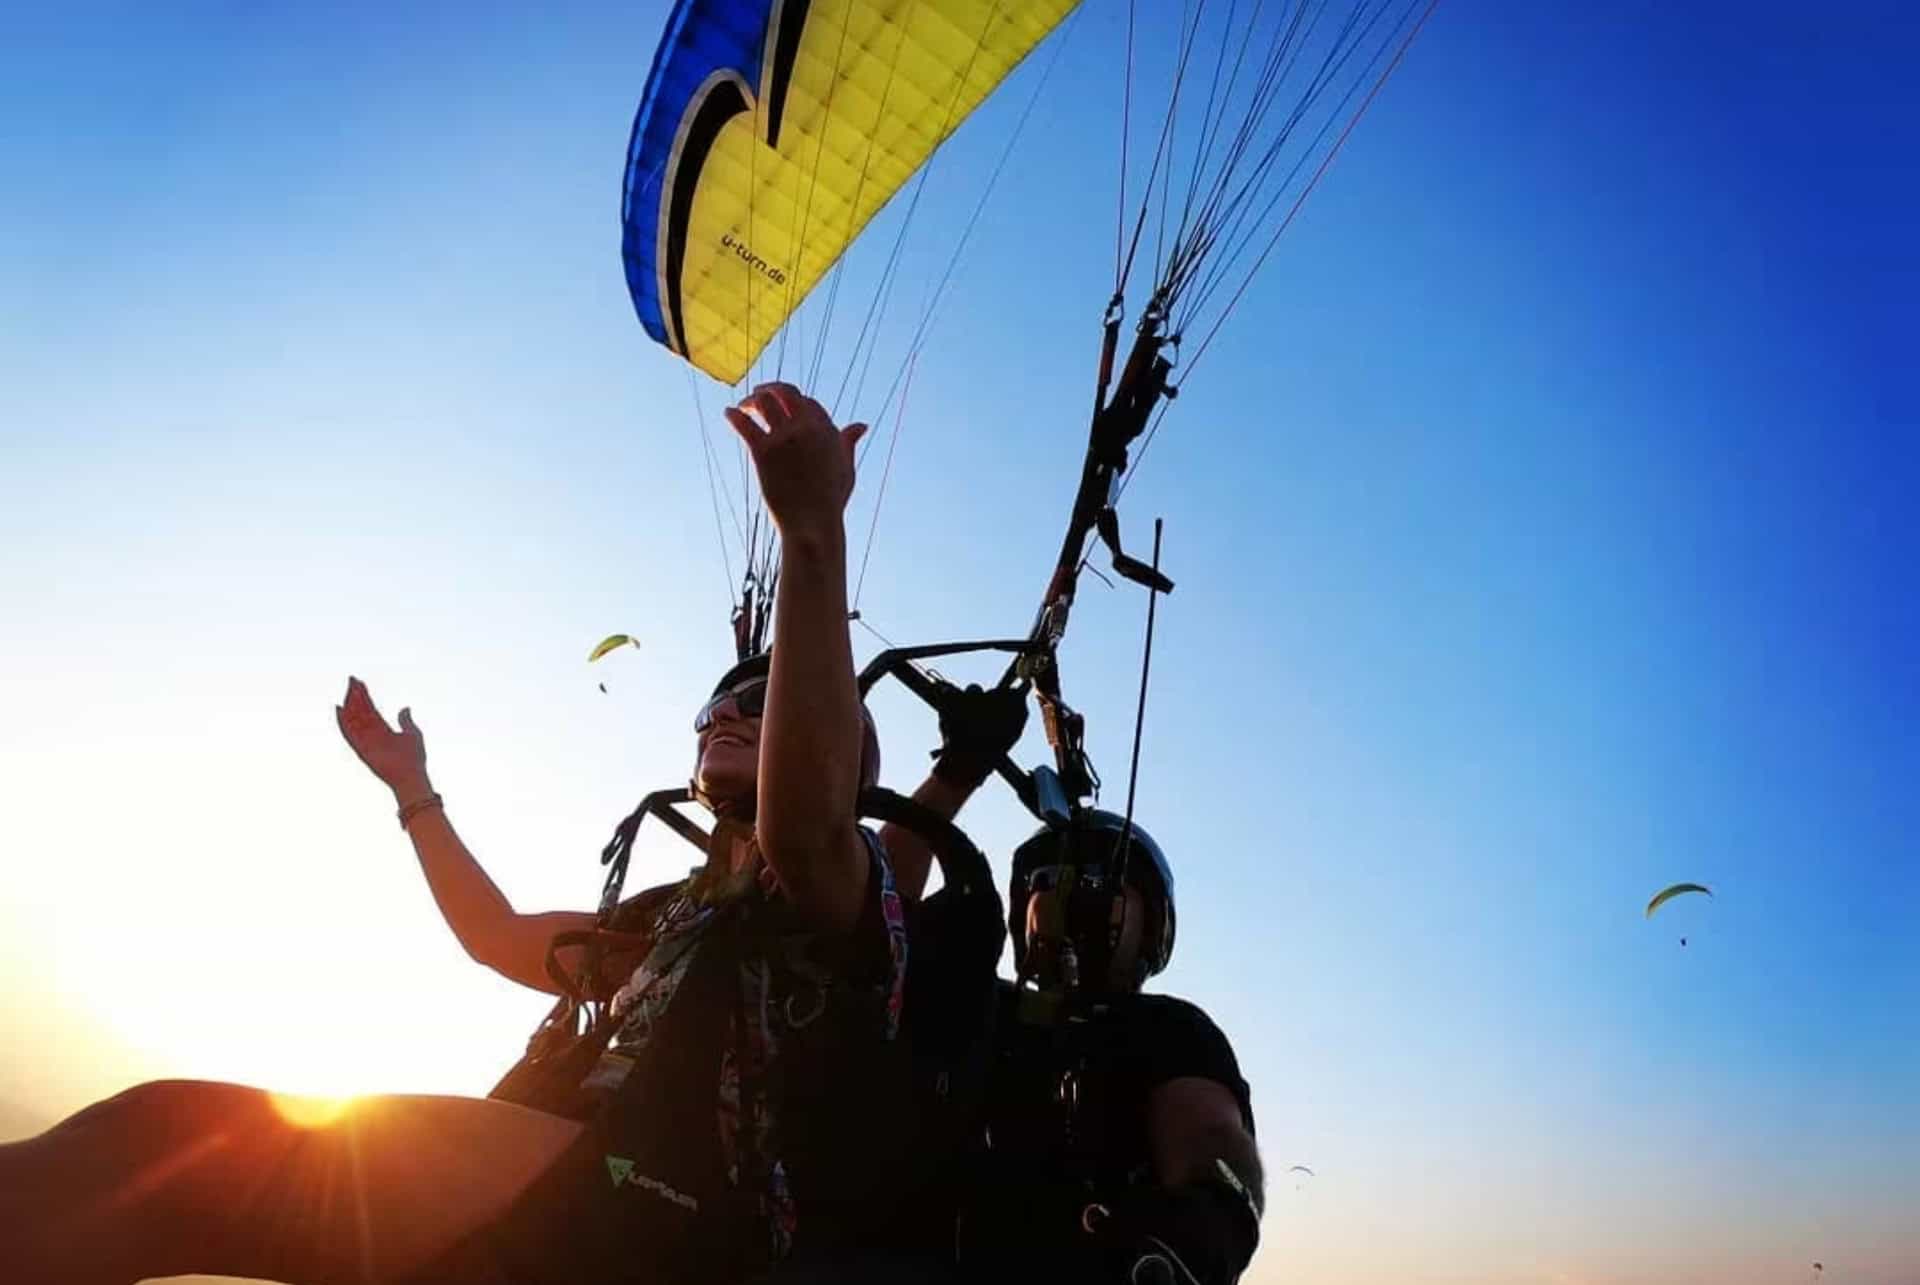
(1067, 1109)
(744, 1100)
(776, 1097)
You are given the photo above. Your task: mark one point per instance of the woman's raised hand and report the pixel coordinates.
(398, 758)
(804, 461)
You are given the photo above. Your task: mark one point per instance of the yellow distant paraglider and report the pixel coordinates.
(611, 643)
(1665, 895)
(1668, 893)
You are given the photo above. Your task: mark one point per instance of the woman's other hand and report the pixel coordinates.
(398, 758)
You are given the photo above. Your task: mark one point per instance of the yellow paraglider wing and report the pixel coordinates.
(609, 643)
(1665, 895)
(771, 131)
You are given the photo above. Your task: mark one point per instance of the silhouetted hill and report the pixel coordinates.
(17, 1122)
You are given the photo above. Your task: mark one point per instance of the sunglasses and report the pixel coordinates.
(750, 698)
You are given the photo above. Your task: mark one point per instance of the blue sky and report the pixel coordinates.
(1542, 525)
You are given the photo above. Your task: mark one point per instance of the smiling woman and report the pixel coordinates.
(797, 901)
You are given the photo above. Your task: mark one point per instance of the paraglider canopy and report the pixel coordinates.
(771, 133)
(610, 643)
(1667, 894)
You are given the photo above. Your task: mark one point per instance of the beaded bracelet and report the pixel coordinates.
(415, 808)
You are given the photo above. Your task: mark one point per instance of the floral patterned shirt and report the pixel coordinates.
(785, 977)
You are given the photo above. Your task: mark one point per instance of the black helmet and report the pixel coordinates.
(752, 667)
(1092, 844)
(761, 665)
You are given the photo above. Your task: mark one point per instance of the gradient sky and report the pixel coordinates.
(1543, 524)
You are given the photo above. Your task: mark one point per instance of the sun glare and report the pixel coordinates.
(307, 1112)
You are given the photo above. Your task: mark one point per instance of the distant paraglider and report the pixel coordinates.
(1665, 895)
(1668, 893)
(612, 642)
(1301, 1169)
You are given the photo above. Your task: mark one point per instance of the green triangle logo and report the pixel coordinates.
(620, 1170)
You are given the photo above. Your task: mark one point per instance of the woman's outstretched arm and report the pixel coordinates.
(485, 922)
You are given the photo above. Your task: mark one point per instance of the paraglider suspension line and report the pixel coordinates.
(1126, 131)
(714, 483)
(1139, 723)
(886, 472)
(1312, 183)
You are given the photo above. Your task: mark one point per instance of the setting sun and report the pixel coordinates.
(310, 1112)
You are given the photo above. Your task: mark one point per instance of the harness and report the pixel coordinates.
(863, 1127)
(1050, 1169)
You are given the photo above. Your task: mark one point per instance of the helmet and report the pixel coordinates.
(1092, 843)
(759, 666)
